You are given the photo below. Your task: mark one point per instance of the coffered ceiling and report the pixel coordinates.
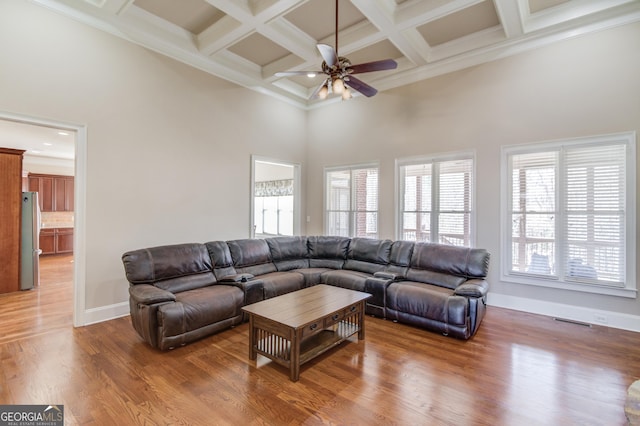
(248, 41)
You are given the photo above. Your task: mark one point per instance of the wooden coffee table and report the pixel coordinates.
(296, 327)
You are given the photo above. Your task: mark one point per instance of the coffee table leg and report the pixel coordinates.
(253, 355)
(361, 321)
(294, 373)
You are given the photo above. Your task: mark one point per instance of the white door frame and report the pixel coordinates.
(79, 248)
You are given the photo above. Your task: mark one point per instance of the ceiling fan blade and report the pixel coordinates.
(385, 64)
(361, 86)
(294, 73)
(328, 53)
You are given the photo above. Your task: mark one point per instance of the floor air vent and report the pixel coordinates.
(585, 324)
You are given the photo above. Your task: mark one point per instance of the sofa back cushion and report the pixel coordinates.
(251, 256)
(327, 251)
(445, 265)
(367, 255)
(400, 257)
(175, 268)
(220, 258)
(289, 253)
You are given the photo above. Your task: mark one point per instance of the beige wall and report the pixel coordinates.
(168, 152)
(584, 86)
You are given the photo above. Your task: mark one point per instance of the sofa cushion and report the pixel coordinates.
(427, 301)
(279, 283)
(221, 259)
(400, 257)
(312, 276)
(367, 255)
(175, 268)
(251, 256)
(447, 266)
(327, 251)
(289, 252)
(199, 308)
(353, 280)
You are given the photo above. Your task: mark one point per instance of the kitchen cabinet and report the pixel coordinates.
(64, 240)
(56, 240)
(10, 218)
(55, 193)
(48, 241)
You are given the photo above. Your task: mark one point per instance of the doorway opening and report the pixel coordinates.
(275, 198)
(54, 148)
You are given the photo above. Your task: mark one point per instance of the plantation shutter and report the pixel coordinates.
(455, 180)
(594, 180)
(436, 203)
(352, 202)
(533, 212)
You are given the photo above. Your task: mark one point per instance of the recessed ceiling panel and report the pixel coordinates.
(309, 82)
(375, 52)
(318, 17)
(193, 15)
(259, 49)
(459, 24)
(538, 5)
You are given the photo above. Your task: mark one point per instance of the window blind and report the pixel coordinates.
(594, 184)
(352, 202)
(436, 201)
(567, 212)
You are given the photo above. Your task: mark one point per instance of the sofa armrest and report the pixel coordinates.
(235, 278)
(147, 294)
(253, 289)
(473, 288)
(377, 287)
(388, 276)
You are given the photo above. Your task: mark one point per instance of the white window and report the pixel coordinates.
(436, 199)
(570, 214)
(351, 201)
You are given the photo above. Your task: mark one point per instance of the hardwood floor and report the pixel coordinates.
(520, 369)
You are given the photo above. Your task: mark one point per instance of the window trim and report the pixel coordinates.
(442, 157)
(350, 167)
(506, 275)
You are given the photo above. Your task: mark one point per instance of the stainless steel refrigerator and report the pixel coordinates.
(30, 247)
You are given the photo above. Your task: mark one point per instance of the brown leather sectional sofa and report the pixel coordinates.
(181, 293)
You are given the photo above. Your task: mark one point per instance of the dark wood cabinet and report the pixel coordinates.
(48, 241)
(64, 240)
(10, 218)
(55, 193)
(56, 240)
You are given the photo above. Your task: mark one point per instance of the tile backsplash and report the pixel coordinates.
(57, 219)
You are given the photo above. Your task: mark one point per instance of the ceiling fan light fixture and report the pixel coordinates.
(338, 86)
(346, 94)
(324, 92)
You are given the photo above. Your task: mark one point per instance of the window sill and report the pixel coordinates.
(627, 292)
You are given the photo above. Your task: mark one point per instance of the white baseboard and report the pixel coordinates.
(105, 313)
(559, 310)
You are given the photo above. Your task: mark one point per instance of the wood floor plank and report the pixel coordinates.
(520, 369)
